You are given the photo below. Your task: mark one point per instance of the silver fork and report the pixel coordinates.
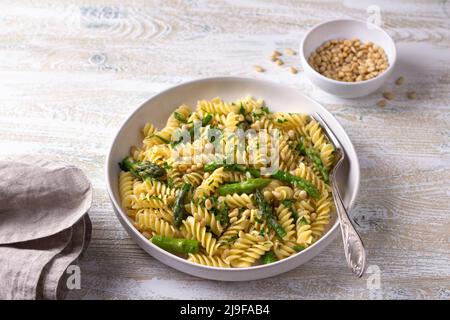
(355, 252)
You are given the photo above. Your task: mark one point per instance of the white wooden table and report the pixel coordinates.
(71, 71)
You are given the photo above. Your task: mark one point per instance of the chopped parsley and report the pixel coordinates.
(170, 183)
(222, 214)
(287, 203)
(153, 197)
(303, 221)
(295, 215)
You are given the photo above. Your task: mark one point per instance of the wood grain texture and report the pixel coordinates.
(71, 71)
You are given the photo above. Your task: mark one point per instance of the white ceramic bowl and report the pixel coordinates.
(278, 98)
(347, 29)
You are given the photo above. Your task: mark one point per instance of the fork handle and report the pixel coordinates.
(355, 253)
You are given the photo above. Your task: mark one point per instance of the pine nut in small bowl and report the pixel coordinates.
(348, 58)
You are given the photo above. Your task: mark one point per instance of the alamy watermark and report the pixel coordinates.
(247, 147)
(74, 277)
(374, 17)
(374, 282)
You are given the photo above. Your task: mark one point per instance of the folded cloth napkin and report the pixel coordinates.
(44, 226)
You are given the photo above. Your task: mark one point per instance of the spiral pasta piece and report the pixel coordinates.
(210, 184)
(243, 243)
(148, 129)
(208, 260)
(248, 248)
(157, 154)
(267, 190)
(263, 123)
(194, 230)
(282, 193)
(304, 232)
(238, 200)
(218, 106)
(161, 213)
(283, 249)
(231, 176)
(249, 104)
(126, 180)
(144, 201)
(154, 187)
(175, 177)
(147, 220)
(258, 224)
(237, 225)
(193, 178)
(165, 135)
(232, 120)
(202, 215)
(322, 219)
(292, 121)
(288, 157)
(253, 253)
(287, 222)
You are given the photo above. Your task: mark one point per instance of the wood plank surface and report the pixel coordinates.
(71, 71)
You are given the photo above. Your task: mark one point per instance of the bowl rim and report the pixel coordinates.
(321, 76)
(126, 219)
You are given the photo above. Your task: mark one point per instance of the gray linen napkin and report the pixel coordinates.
(44, 226)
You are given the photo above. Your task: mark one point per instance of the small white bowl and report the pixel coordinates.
(278, 98)
(347, 29)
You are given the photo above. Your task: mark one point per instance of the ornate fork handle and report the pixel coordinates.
(355, 253)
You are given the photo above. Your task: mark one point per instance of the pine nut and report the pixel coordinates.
(412, 95)
(382, 103)
(258, 68)
(388, 95)
(290, 52)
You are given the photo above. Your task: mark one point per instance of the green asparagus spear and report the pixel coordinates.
(232, 167)
(179, 117)
(301, 148)
(268, 257)
(176, 245)
(300, 182)
(210, 167)
(287, 203)
(164, 140)
(266, 212)
(247, 186)
(179, 212)
(142, 169)
(318, 164)
(206, 119)
(315, 158)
